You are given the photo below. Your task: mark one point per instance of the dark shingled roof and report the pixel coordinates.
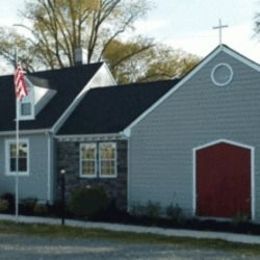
(111, 109)
(68, 82)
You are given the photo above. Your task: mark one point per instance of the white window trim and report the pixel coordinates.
(194, 176)
(7, 157)
(212, 75)
(100, 172)
(32, 102)
(27, 117)
(81, 175)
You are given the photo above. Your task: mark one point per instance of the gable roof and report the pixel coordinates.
(67, 82)
(111, 109)
(220, 48)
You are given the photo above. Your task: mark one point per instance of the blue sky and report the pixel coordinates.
(187, 24)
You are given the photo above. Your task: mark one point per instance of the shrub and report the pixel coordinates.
(4, 205)
(88, 202)
(152, 209)
(175, 213)
(137, 209)
(27, 205)
(239, 219)
(11, 201)
(40, 209)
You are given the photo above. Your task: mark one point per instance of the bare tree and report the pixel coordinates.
(58, 27)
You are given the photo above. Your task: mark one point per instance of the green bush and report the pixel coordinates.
(4, 205)
(11, 201)
(88, 202)
(152, 209)
(175, 213)
(240, 218)
(40, 209)
(27, 205)
(137, 209)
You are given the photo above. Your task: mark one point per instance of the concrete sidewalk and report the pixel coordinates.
(231, 237)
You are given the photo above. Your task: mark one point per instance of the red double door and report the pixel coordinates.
(223, 181)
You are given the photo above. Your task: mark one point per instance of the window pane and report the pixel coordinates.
(22, 165)
(26, 109)
(108, 159)
(107, 151)
(23, 150)
(13, 150)
(12, 165)
(88, 168)
(88, 151)
(108, 168)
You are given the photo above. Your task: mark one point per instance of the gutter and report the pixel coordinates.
(26, 132)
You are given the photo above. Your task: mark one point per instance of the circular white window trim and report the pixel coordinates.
(227, 70)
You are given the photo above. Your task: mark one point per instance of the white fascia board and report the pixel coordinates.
(25, 132)
(92, 83)
(91, 137)
(174, 89)
(113, 80)
(74, 104)
(242, 58)
(70, 108)
(220, 48)
(226, 141)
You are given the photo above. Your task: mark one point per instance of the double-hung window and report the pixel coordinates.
(23, 157)
(26, 108)
(88, 158)
(98, 160)
(107, 160)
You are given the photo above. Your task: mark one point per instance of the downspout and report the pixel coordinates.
(48, 134)
(127, 134)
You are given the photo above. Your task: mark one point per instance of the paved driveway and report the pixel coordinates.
(35, 247)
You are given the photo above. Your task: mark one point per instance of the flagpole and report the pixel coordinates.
(17, 163)
(17, 152)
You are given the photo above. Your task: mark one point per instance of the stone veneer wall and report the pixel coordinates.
(68, 153)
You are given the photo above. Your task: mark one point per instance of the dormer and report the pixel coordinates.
(35, 101)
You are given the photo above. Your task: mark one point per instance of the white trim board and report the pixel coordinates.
(109, 73)
(49, 167)
(72, 106)
(93, 82)
(25, 132)
(252, 177)
(175, 88)
(90, 137)
(100, 160)
(94, 175)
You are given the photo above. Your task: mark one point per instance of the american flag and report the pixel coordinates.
(21, 89)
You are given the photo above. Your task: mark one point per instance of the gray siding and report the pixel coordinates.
(36, 184)
(161, 145)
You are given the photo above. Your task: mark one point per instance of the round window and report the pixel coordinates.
(222, 74)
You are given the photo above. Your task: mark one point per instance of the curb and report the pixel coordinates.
(229, 237)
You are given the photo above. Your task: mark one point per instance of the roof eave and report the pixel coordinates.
(91, 137)
(25, 132)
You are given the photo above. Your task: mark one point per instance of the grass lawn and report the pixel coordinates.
(125, 237)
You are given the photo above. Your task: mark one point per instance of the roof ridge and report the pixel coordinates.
(137, 84)
(65, 68)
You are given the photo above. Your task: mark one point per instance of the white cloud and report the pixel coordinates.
(149, 26)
